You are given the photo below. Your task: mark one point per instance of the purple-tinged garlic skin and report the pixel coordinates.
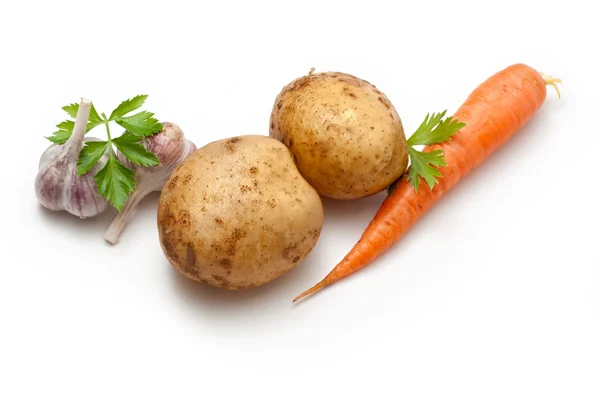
(170, 147)
(57, 185)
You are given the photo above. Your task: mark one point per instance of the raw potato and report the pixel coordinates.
(346, 136)
(237, 213)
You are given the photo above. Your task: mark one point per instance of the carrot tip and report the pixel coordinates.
(310, 291)
(553, 82)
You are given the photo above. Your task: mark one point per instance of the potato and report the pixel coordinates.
(346, 136)
(237, 213)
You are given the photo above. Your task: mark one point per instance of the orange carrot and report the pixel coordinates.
(493, 112)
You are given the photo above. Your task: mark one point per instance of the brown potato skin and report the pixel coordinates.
(346, 136)
(237, 214)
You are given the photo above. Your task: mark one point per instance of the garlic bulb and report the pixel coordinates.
(171, 148)
(57, 185)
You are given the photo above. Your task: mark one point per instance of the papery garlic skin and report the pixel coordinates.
(57, 185)
(171, 148)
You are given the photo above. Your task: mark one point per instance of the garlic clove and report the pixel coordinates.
(170, 147)
(57, 185)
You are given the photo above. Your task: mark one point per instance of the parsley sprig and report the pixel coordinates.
(433, 130)
(115, 181)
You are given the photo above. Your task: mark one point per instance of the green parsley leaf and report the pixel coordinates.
(128, 106)
(93, 121)
(435, 130)
(89, 155)
(59, 137)
(128, 144)
(71, 109)
(142, 123)
(115, 182)
(66, 126)
(94, 117)
(422, 165)
(128, 138)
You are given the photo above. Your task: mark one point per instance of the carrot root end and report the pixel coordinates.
(549, 80)
(312, 290)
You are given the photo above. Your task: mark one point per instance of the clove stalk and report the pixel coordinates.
(171, 148)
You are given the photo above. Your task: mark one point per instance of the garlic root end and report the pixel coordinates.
(120, 220)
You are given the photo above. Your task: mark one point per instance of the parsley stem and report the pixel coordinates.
(108, 131)
(106, 123)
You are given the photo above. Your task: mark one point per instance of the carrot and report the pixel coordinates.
(493, 112)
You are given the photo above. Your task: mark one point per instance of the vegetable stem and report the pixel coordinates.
(120, 220)
(75, 142)
(106, 124)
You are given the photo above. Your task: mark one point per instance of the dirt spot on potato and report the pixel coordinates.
(186, 179)
(289, 250)
(188, 270)
(300, 83)
(167, 242)
(216, 246)
(226, 263)
(314, 233)
(191, 258)
(219, 221)
(384, 102)
(230, 144)
(271, 203)
(168, 218)
(245, 188)
(296, 259)
(218, 278)
(232, 240)
(254, 170)
(184, 218)
(350, 94)
(173, 182)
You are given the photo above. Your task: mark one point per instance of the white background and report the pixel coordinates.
(494, 294)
